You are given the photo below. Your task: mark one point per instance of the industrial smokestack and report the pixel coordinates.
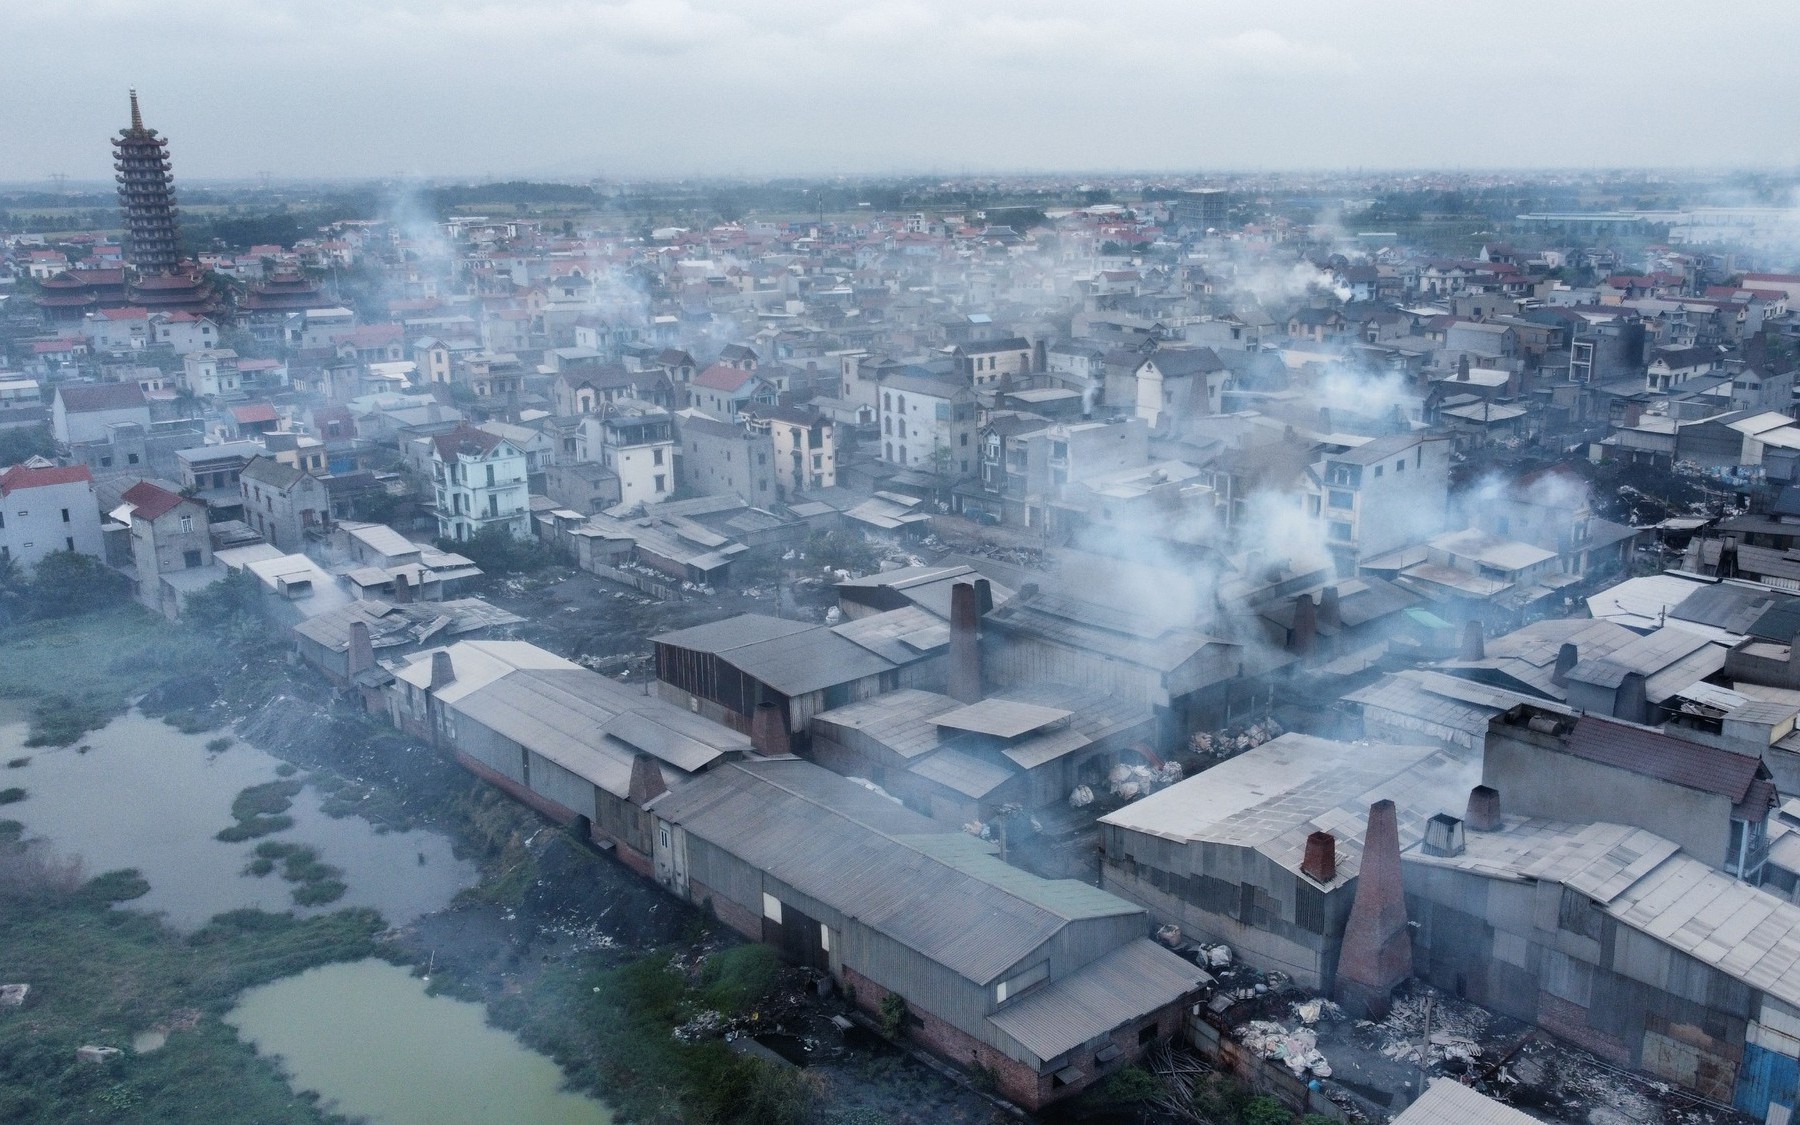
(403, 594)
(1305, 634)
(443, 672)
(361, 655)
(984, 597)
(768, 730)
(1330, 614)
(1376, 954)
(1473, 646)
(1483, 813)
(1320, 862)
(1566, 658)
(965, 643)
(1632, 703)
(1462, 369)
(647, 782)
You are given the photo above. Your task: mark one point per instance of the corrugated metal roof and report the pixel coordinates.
(1647, 752)
(963, 773)
(1448, 1102)
(732, 632)
(1002, 718)
(861, 854)
(1124, 985)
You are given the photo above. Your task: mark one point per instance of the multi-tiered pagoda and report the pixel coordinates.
(147, 196)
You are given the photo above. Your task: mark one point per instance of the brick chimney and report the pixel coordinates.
(360, 657)
(1473, 646)
(1305, 634)
(965, 643)
(1631, 703)
(647, 782)
(1483, 813)
(403, 594)
(1330, 615)
(1320, 862)
(1566, 658)
(1376, 954)
(443, 672)
(984, 596)
(768, 730)
(1462, 369)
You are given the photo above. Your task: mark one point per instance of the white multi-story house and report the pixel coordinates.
(929, 424)
(183, 332)
(211, 372)
(1389, 493)
(636, 442)
(45, 508)
(805, 447)
(480, 482)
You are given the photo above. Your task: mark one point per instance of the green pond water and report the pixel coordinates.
(374, 1044)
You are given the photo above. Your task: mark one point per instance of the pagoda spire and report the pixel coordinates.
(137, 119)
(146, 197)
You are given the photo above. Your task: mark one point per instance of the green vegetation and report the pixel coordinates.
(26, 442)
(220, 745)
(496, 551)
(612, 1029)
(318, 883)
(259, 810)
(893, 1015)
(98, 976)
(11, 796)
(80, 672)
(18, 763)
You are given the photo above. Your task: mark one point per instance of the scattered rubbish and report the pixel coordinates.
(1082, 797)
(1217, 956)
(1169, 935)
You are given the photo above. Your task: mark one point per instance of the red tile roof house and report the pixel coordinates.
(171, 547)
(722, 390)
(46, 508)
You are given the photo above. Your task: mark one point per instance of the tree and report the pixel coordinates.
(67, 583)
(26, 442)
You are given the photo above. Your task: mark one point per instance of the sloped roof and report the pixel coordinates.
(33, 476)
(267, 470)
(101, 396)
(150, 502)
(1645, 751)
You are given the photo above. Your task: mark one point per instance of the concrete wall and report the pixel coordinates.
(1535, 779)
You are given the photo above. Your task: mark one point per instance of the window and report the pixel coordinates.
(656, 456)
(1019, 982)
(190, 559)
(1340, 532)
(1378, 472)
(187, 523)
(65, 515)
(660, 478)
(1339, 498)
(131, 458)
(70, 543)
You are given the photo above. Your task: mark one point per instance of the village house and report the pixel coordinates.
(171, 546)
(479, 481)
(283, 504)
(82, 413)
(45, 508)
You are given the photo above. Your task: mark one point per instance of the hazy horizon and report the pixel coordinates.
(357, 90)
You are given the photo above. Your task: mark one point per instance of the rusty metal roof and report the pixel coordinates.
(1647, 752)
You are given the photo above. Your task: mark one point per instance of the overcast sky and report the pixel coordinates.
(573, 88)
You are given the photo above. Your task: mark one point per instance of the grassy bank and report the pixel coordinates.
(100, 976)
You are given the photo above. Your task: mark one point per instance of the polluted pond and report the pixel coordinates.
(370, 1039)
(140, 794)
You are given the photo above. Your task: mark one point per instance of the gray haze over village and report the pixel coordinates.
(873, 564)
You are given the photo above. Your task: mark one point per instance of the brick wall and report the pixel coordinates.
(740, 918)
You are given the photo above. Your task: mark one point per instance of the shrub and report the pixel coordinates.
(1264, 1110)
(218, 745)
(11, 796)
(893, 1015)
(736, 980)
(116, 886)
(319, 893)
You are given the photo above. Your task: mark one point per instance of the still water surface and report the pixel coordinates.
(145, 795)
(374, 1044)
